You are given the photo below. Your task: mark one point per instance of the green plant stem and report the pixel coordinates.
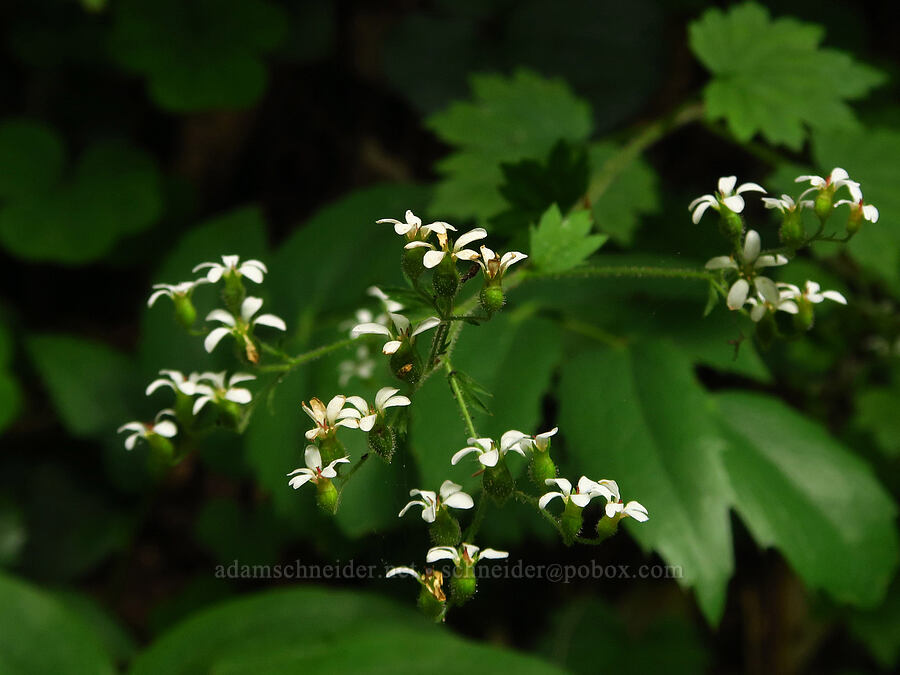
(460, 400)
(528, 499)
(477, 519)
(356, 467)
(647, 136)
(300, 359)
(629, 271)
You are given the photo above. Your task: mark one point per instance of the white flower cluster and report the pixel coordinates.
(587, 489)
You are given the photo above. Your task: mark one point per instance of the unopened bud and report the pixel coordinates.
(492, 298)
(824, 204)
(541, 467)
(185, 312)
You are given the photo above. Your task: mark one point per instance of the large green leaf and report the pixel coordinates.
(509, 119)
(639, 416)
(799, 490)
(879, 629)
(113, 192)
(872, 157)
(771, 77)
(198, 54)
(558, 244)
(90, 384)
(39, 635)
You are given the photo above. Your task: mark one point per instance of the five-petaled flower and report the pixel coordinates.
(329, 418)
(726, 196)
(464, 556)
(786, 203)
(836, 179)
(241, 326)
(411, 227)
(859, 209)
(493, 266)
(385, 398)
(636, 510)
(219, 389)
(176, 381)
(750, 262)
(159, 427)
(489, 452)
(584, 492)
(451, 496)
(403, 332)
(254, 270)
(541, 442)
(434, 257)
(175, 292)
(811, 292)
(314, 471)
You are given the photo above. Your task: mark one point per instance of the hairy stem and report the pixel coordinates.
(460, 399)
(306, 357)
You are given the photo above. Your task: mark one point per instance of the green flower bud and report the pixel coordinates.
(446, 277)
(805, 317)
(541, 468)
(570, 522)
(383, 442)
(854, 221)
(791, 232)
(498, 482)
(185, 312)
(824, 204)
(326, 496)
(233, 292)
(492, 298)
(411, 262)
(406, 364)
(463, 584)
(445, 530)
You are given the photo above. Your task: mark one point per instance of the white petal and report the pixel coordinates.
(448, 487)
(489, 458)
(359, 403)
(335, 405)
(726, 184)
(215, 336)
(547, 498)
(401, 323)
(252, 272)
(441, 553)
(237, 378)
(737, 294)
(637, 511)
(239, 395)
(395, 401)
(391, 347)
(221, 316)
(721, 262)
(200, 403)
(132, 426)
(155, 296)
(564, 485)
(462, 453)
(166, 429)
(312, 457)
(367, 422)
(493, 554)
(758, 312)
(468, 237)
(752, 246)
(383, 395)
(835, 296)
(580, 499)
(510, 438)
(770, 261)
(735, 203)
(302, 479)
(250, 306)
(750, 187)
(699, 211)
(459, 500)
(270, 320)
(411, 504)
(427, 324)
(156, 384)
(369, 328)
(767, 289)
(432, 259)
(397, 571)
(131, 441)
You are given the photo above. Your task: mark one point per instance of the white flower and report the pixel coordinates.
(633, 509)
(786, 203)
(173, 291)
(413, 229)
(751, 261)
(812, 292)
(770, 299)
(836, 179)
(494, 266)
(220, 390)
(489, 453)
(451, 496)
(176, 381)
(362, 366)
(726, 196)
(329, 418)
(314, 471)
(866, 211)
(586, 490)
(252, 269)
(389, 305)
(384, 399)
(542, 441)
(465, 556)
(434, 257)
(432, 580)
(240, 326)
(400, 333)
(160, 427)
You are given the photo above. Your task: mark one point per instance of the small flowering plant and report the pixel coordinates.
(439, 269)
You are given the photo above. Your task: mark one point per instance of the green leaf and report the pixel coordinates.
(198, 54)
(89, 383)
(876, 412)
(873, 158)
(771, 77)
(799, 490)
(559, 244)
(879, 629)
(233, 533)
(10, 399)
(112, 193)
(39, 635)
(115, 638)
(640, 417)
(510, 119)
(13, 533)
(629, 195)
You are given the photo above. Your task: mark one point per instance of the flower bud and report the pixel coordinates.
(411, 262)
(805, 316)
(463, 584)
(791, 232)
(570, 522)
(541, 467)
(233, 292)
(185, 313)
(492, 298)
(498, 482)
(326, 496)
(406, 364)
(445, 530)
(382, 441)
(824, 203)
(446, 278)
